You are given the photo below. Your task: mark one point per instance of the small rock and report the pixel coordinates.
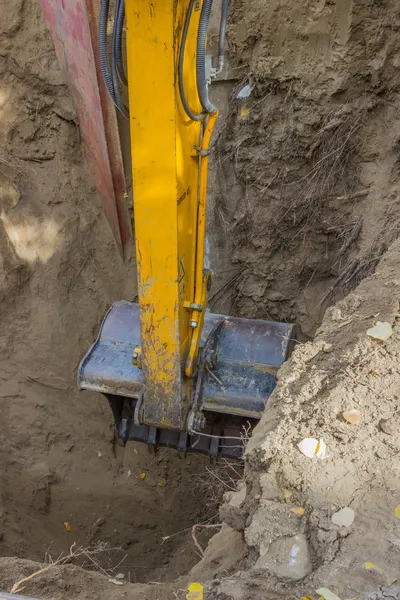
(343, 517)
(390, 426)
(65, 109)
(232, 511)
(100, 522)
(287, 557)
(276, 297)
(116, 581)
(10, 196)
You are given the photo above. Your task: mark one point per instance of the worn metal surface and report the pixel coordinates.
(248, 354)
(202, 276)
(111, 130)
(107, 367)
(69, 23)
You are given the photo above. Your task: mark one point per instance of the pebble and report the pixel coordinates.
(390, 426)
(287, 557)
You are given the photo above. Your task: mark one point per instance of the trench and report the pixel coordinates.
(300, 211)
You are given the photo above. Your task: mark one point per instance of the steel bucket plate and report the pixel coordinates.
(249, 353)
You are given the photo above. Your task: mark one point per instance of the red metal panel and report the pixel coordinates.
(70, 27)
(111, 129)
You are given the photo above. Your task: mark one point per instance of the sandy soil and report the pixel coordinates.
(59, 271)
(343, 369)
(305, 215)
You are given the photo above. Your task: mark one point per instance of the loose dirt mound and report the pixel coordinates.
(343, 369)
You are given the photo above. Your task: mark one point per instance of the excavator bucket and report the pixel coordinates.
(236, 374)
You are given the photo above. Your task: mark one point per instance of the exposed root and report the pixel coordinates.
(75, 552)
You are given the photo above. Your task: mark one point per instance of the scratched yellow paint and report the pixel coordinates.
(165, 182)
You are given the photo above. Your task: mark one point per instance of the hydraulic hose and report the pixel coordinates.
(222, 34)
(119, 27)
(104, 64)
(114, 61)
(187, 109)
(110, 75)
(202, 87)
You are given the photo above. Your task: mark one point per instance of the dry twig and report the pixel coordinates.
(75, 552)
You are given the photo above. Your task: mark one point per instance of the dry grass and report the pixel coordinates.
(288, 191)
(217, 479)
(323, 165)
(90, 557)
(329, 155)
(223, 476)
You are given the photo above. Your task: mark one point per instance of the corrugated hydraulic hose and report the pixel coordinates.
(114, 58)
(110, 76)
(119, 27)
(105, 67)
(202, 87)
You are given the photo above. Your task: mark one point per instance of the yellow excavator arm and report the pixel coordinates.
(175, 374)
(169, 170)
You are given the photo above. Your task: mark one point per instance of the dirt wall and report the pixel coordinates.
(291, 498)
(314, 151)
(305, 195)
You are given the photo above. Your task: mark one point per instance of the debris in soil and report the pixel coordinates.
(352, 416)
(311, 447)
(344, 517)
(327, 594)
(381, 332)
(196, 592)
